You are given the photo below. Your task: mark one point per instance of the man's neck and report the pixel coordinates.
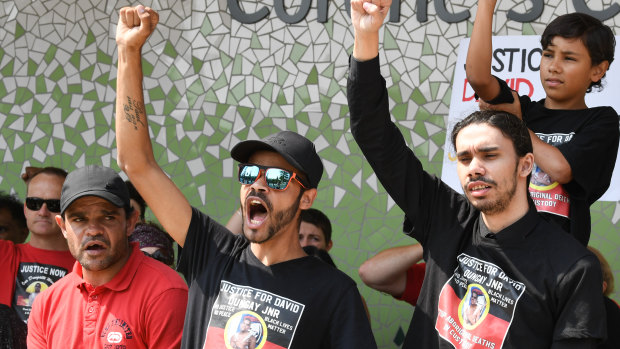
(54, 242)
(515, 211)
(282, 247)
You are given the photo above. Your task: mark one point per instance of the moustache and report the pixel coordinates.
(262, 196)
(480, 179)
(98, 238)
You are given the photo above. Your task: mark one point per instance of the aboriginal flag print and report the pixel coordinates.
(550, 196)
(477, 305)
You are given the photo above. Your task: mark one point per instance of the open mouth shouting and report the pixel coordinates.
(95, 247)
(256, 212)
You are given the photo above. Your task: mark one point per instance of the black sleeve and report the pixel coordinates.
(206, 239)
(505, 93)
(584, 343)
(581, 310)
(505, 96)
(591, 154)
(418, 193)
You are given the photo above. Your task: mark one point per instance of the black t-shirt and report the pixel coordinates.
(527, 286)
(301, 303)
(613, 325)
(588, 139)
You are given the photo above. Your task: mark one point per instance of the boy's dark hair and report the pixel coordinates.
(133, 194)
(598, 38)
(510, 126)
(318, 218)
(15, 207)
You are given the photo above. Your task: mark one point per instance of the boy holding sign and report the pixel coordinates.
(575, 147)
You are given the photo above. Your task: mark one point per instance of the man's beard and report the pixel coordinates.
(502, 202)
(115, 253)
(279, 219)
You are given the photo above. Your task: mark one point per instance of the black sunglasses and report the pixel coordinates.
(276, 178)
(35, 204)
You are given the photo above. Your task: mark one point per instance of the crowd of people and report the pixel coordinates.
(84, 268)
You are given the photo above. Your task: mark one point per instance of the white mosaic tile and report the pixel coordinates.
(372, 182)
(339, 194)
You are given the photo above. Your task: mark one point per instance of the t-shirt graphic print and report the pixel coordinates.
(477, 305)
(245, 317)
(550, 196)
(32, 279)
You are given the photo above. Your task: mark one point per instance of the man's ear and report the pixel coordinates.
(526, 165)
(307, 199)
(132, 219)
(61, 224)
(329, 245)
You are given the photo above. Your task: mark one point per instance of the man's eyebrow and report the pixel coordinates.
(488, 149)
(463, 153)
(478, 150)
(109, 212)
(74, 213)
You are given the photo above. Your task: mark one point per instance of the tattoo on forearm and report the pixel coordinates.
(134, 113)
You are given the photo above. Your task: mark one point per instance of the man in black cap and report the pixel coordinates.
(116, 296)
(299, 301)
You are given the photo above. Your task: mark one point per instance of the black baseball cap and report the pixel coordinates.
(295, 148)
(94, 180)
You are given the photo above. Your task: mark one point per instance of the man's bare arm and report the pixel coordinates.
(135, 153)
(387, 271)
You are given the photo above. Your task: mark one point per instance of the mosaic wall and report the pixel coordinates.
(211, 81)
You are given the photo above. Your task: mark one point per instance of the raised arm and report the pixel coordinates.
(135, 153)
(367, 17)
(387, 271)
(478, 64)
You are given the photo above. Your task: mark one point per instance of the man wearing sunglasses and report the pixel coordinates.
(532, 285)
(45, 258)
(297, 300)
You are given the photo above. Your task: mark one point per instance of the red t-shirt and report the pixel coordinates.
(143, 306)
(29, 270)
(415, 276)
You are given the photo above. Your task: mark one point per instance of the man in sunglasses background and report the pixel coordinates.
(45, 258)
(296, 301)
